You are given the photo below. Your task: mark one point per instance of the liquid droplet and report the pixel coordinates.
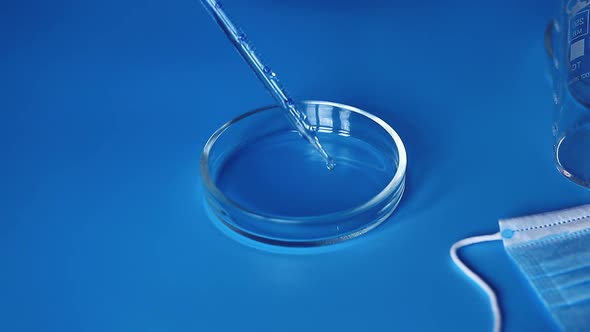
(330, 164)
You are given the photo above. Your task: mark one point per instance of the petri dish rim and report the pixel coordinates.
(393, 185)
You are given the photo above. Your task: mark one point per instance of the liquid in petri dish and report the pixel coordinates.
(278, 175)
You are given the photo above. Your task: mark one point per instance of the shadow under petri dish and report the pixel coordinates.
(281, 174)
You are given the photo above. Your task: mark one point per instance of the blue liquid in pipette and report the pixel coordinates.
(268, 78)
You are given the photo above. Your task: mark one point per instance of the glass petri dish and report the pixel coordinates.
(570, 157)
(264, 182)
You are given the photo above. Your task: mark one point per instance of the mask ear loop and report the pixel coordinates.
(477, 279)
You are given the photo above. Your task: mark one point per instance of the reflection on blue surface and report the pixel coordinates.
(104, 109)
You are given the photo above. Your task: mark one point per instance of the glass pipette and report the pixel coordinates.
(267, 77)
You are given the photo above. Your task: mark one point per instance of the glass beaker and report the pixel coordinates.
(568, 45)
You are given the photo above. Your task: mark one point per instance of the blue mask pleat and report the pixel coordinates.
(558, 268)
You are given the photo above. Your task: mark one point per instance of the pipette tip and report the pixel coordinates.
(330, 164)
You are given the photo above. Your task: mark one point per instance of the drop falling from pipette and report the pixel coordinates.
(267, 77)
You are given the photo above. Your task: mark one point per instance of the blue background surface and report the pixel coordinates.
(104, 109)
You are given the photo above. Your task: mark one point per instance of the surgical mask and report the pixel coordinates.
(553, 251)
